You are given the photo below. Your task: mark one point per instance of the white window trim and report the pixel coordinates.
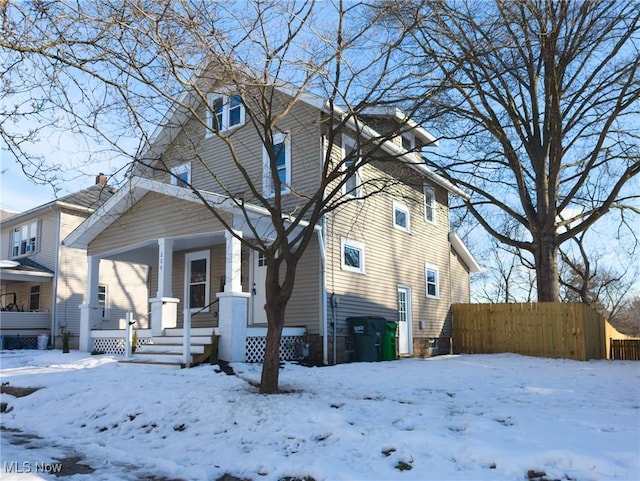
(266, 166)
(179, 169)
(426, 189)
(211, 98)
(193, 256)
(427, 268)
(350, 143)
(397, 206)
(354, 245)
(105, 307)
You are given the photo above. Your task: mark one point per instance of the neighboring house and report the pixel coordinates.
(43, 283)
(390, 255)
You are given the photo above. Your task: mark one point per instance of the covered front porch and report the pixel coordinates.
(26, 308)
(204, 282)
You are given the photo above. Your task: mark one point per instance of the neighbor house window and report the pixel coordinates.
(429, 204)
(401, 219)
(350, 152)
(431, 274)
(197, 280)
(34, 298)
(102, 301)
(25, 239)
(352, 256)
(282, 154)
(181, 175)
(225, 112)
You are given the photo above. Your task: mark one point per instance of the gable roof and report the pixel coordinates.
(178, 114)
(137, 187)
(86, 201)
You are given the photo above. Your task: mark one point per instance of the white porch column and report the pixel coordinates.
(232, 324)
(164, 314)
(165, 268)
(164, 307)
(233, 268)
(90, 311)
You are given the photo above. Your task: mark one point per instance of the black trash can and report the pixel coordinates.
(367, 337)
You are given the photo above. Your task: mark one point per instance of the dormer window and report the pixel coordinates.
(225, 112)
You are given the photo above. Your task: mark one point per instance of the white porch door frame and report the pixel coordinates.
(258, 289)
(405, 321)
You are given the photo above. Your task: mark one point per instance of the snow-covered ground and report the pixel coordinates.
(481, 417)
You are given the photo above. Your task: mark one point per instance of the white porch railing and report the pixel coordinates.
(15, 321)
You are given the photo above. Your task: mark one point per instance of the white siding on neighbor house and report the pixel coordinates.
(126, 285)
(45, 255)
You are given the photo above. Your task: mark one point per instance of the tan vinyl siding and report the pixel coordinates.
(212, 164)
(304, 306)
(155, 216)
(392, 257)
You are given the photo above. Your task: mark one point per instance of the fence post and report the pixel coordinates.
(186, 341)
(128, 335)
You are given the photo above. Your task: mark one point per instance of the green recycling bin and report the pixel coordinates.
(388, 346)
(367, 337)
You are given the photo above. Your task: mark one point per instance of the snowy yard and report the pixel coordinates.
(482, 417)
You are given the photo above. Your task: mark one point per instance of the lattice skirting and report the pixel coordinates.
(289, 348)
(114, 345)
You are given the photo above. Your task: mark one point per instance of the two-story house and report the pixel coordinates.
(42, 282)
(390, 254)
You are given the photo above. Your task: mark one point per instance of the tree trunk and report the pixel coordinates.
(546, 261)
(271, 362)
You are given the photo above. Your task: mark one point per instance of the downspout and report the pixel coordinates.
(323, 293)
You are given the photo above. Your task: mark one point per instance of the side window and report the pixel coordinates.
(181, 175)
(25, 239)
(432, 281)
(353, 185)
(352, 256)
(34, 298)
(103, 301)
(197, 280)
(224, 113)
(429, 205)
(401, 217)
(282, 152)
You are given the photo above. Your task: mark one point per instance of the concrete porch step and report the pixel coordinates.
(167, 350)
(195, 331)
(167, 347)
(170, 340)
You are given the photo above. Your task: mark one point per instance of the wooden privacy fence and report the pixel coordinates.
(543, 329)
(625, 349)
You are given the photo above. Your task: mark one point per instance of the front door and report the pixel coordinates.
(404, 321)
(258, 294)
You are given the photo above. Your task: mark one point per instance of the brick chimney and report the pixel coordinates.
(101, 179)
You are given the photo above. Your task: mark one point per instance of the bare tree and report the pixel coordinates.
(543, 98)
(139, 60)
